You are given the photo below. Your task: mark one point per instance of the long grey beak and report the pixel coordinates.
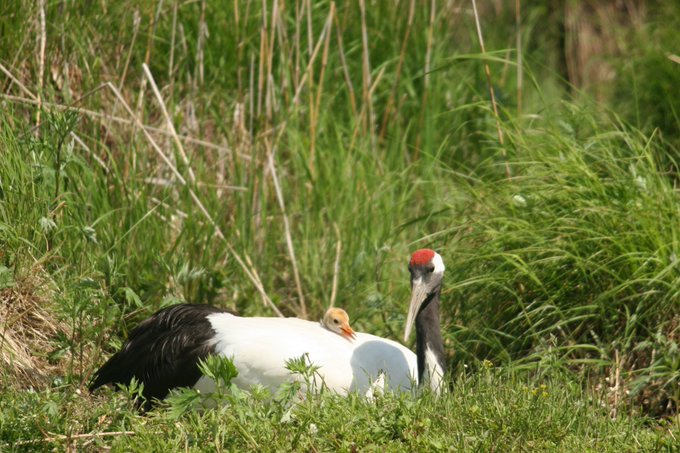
(418, 296)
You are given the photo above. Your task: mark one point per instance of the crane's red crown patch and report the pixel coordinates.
(421, 257)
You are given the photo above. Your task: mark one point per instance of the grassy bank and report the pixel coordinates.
(484, 411)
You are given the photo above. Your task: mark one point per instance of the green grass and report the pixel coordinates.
(560, 308)
(493, 408)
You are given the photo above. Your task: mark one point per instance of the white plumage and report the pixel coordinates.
(164, 351)
(260, 348)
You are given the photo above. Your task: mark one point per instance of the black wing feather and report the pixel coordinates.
(163, 351)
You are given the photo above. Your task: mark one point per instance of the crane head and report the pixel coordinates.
(427, 269)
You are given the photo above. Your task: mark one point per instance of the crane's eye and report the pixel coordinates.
(336, 321)
(430, 270)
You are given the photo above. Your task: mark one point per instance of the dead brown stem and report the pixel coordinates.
(41, 57)
(289, 238)
(336, 264)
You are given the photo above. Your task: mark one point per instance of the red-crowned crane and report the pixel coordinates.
(163, 351)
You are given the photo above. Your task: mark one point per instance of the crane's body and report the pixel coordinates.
(260, 348)
(163, 352)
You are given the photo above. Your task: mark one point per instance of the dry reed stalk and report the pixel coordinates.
(281, 128)
(345, 69)
(69, 437)
(181, 214)
(183, 38)
(366, 67)
(168, 121)
(117, 119)
(248, 5)
(269, 147)
(255, 274)
(263, 57)
(21, 86)
(270, 99)
(162, 182)
(239, 51)
(336, 264)
(147, 59)
(376, 82)
(258, 184)
(200, 44)
(520, 69)
(315, 111)
(296, 44)
(310, 34)
(426, 77)
(312, 59)
(87, 149)
(286, 54)
(273, 100)
(42, 43)
(487, 71)
(615, 389)
(36, 102)
(289, 238)
(237, 20)
(250, 272)
(362, 112)
(402, 55)
(251, 95)
(171, 63)
(674, 58)
(310, 83)
(136, 22)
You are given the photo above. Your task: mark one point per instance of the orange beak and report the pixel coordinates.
(348, 332)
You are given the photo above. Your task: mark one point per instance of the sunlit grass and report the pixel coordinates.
(564, 277)
(482, 411)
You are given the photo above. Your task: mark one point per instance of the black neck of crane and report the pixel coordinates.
(428, 334)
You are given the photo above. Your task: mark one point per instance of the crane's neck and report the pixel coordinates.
(429, 344)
